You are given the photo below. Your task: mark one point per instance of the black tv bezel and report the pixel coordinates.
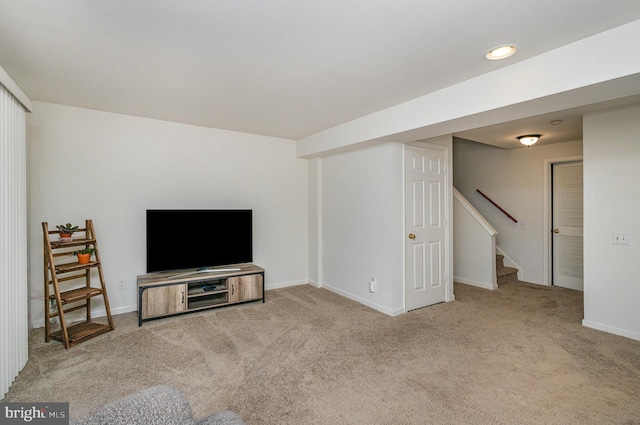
(174, 265)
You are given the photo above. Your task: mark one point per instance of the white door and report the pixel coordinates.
(425, 245)
(567, 225)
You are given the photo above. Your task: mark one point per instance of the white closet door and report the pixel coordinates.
(567, 225)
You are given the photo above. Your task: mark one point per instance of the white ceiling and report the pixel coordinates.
(569, 128)
(285, 68)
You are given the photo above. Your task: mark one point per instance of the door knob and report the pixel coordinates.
(556, 230)
(412, 236)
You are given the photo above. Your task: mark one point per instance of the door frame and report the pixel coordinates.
(548, 213)
(448, 199)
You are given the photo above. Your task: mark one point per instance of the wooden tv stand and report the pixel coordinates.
(185, 291)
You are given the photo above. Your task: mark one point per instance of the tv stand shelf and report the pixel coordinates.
(185, 291)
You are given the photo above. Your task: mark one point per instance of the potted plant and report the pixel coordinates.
(66, 231)
(84, 255)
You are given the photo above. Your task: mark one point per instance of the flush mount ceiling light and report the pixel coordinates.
(501, 52)
(528, 139)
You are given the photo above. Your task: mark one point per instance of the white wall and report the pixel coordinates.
(612, 204)
(110, 168)
(362, 225)
(474, 246)
(515, 180)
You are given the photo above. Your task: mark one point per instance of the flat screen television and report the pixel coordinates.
(187, 239)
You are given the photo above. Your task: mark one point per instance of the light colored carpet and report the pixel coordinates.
(517, 355)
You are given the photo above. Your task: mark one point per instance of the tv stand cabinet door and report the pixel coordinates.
(163, 300)
(245, 288)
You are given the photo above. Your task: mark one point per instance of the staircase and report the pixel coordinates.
(505, 274)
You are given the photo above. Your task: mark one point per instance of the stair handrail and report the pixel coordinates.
(497, 206)
(474, 213)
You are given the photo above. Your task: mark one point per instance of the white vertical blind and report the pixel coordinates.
(13, 239)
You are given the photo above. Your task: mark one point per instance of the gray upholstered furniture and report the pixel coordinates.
(154, 406)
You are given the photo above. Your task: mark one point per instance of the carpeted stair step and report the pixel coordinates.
(505, 274)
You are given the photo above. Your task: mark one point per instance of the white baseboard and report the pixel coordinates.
(611, 329)
(285, 284)
(118, 310)
(94, 313)
(37, 324)
(363, 301)
(482, 285)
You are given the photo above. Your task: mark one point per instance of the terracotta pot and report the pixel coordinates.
(65, 237)
(84, 258)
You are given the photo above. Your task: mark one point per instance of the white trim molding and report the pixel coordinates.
(363, 301)
(611, 329)
(15, 90)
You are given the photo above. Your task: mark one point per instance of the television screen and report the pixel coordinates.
(186, 239)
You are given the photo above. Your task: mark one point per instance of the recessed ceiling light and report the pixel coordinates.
(501, 52)
(556, 122)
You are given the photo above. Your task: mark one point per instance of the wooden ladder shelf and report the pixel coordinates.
(67, 286)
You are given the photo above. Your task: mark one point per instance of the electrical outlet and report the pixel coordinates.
(621, 238)
(122, 284)
(372, 284)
